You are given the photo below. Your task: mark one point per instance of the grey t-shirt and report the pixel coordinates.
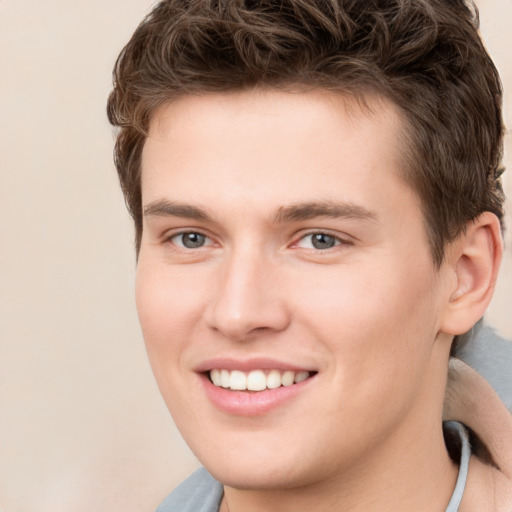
(200, 492)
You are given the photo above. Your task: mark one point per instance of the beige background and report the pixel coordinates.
(82, 426)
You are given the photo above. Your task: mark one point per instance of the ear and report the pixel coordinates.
(473, 259)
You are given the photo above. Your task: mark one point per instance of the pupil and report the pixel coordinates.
(193, 240)
(323, 241)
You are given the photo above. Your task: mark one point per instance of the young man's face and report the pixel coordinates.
(279, 241)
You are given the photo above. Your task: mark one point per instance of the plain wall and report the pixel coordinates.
(82, 425)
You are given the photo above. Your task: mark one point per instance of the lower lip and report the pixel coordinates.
(255, 403)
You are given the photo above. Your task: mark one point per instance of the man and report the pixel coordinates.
(316, 194)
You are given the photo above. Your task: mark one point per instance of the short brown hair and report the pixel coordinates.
(424, 55)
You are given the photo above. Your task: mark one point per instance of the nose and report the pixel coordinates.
(249, 298)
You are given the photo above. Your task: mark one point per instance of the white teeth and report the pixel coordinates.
(300, 376)
(288, 378)
(238, 381)
(224, 378)
(256, 380)
(274, 379)
(216, 378)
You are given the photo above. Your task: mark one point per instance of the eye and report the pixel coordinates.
(190, 240)
(319, 241)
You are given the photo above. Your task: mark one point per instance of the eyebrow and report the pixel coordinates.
(329, 209)
(164, 208)
(291, 213)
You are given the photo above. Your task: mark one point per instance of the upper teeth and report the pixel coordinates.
(256, 380)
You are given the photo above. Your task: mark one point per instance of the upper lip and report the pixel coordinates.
(247, 365)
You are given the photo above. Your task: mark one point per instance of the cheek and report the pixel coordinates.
(169, 307)
(168, 304)
(369, 320)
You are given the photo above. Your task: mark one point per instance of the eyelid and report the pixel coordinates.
(341, 240)
(168, 237)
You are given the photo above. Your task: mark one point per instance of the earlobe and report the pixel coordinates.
(474, 258)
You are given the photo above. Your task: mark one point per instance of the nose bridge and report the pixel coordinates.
(247, 297)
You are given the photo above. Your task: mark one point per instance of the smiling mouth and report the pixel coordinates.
(256, 380)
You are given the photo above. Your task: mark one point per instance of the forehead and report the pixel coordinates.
(274, 144)
(263, 107)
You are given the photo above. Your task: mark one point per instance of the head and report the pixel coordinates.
(313, 187)
(425, 56)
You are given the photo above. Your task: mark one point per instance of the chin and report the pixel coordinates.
(257, 477)
(264, 467)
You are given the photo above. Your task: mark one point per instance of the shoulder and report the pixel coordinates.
(198, 493)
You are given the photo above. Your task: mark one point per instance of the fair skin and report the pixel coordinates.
(278, 236)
